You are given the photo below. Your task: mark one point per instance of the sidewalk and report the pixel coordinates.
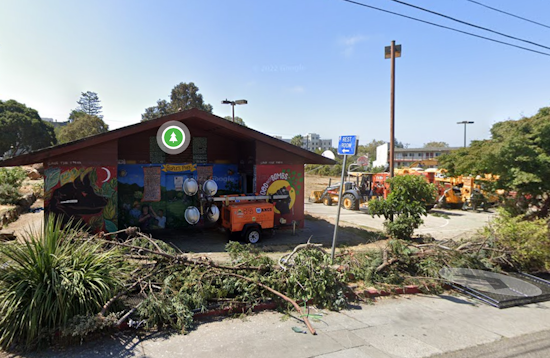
(405, 326)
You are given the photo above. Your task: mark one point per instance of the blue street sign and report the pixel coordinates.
(347, 145)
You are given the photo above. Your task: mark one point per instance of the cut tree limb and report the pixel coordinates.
(284, 297)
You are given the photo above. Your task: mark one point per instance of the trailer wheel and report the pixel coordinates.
(349, 201)
(327, 200)
(253, 235)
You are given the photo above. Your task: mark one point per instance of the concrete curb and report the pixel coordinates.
(372, 292)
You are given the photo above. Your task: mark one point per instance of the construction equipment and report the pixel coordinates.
(465, 192)
(353, 196)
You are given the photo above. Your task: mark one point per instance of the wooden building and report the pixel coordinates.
(106, 180)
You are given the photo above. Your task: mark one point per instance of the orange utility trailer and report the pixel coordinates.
(249, 215)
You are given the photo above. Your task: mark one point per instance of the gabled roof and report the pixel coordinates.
(206, 120)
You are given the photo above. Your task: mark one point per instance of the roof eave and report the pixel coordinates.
(42, 154)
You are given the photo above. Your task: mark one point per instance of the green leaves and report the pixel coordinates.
(518, 153)
(51, 278)
(409, 196)
(22, 130)
(184, 96)
(10, 182)
(84, 125)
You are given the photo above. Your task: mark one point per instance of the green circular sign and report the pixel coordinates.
(173, 137)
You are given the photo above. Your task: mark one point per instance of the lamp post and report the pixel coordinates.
(392, 52)
(233, 103)
(465, 123)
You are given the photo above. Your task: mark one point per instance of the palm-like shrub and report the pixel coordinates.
(49, 279)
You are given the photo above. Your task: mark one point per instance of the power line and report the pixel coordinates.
(470, 24)
(509, 14)
(447, 27)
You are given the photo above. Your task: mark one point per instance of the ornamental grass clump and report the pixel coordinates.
(50, 278)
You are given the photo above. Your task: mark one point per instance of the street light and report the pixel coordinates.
(465, 123)
(233, 103)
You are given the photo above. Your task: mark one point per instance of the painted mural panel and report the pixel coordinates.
(85, 193)
(137, 209)
(283, 179)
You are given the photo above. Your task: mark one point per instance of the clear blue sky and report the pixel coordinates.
(303, 65)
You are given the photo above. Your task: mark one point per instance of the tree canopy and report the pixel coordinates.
(435, 144)
(83, 125)
(89, 103)
(518, 152)
(297, 140)
(238, 120)
(22, 130)
(184, 96)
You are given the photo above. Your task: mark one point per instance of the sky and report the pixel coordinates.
(303, 65)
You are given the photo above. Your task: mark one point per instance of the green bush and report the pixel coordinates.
(10, 183)
(527, 242)
(409, 197)
(50, 279)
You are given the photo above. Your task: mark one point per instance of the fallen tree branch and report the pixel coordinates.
(386, 262)
(182, 259)
(286, 298)
(125, 291)
(287, 257)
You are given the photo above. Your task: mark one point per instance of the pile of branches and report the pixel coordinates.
(172, 286)
(419, 262)
(168, 286)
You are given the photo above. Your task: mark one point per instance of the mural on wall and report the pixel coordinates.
(88, 194)
(283, 179)
(145, 211)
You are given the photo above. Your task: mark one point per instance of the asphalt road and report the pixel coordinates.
(441, 224)
(536, 345)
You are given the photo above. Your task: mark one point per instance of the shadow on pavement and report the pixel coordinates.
(320, 230)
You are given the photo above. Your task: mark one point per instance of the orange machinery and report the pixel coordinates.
(249, 214)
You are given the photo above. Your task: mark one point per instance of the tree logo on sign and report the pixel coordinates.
(173, 137)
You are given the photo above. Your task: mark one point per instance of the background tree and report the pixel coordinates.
(407, 202)
(84, 125)
(297, 140)
(184, 96)
(89, 103)
(238, 120)
(518, 153)
(434, 144)
(22, 130)
(399, 144)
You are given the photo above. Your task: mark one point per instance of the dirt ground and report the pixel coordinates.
(317, 182)
(27, 222)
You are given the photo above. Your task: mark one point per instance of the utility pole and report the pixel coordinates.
(392, 52)
(465, 123)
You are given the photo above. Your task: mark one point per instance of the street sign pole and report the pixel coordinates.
(347, 145)
(338, 212)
